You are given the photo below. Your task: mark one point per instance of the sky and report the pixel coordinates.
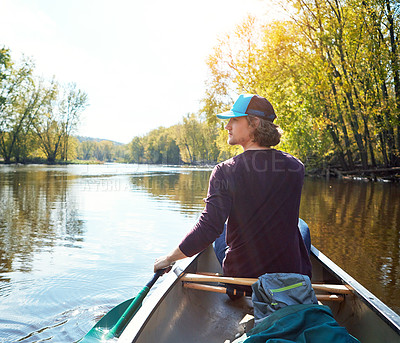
(142, 63)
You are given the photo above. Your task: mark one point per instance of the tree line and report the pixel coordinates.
(331, 70)
(89, 149)
(192, 141)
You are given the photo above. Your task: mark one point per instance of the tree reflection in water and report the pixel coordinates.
(357, 225)
(37, 212)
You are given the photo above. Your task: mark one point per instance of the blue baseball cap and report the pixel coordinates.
(250, 104)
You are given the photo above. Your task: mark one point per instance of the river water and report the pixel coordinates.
(77, 240)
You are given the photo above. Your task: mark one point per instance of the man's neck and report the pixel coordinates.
(254, 146)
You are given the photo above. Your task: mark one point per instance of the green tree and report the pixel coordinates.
(170, 152)
(47, 126)
(136, 149)
(196, 140)
(60, 117)
(159, 146)
(103, 151)
(86, 150)
(23, 99)
(121, 153)
(72, 103)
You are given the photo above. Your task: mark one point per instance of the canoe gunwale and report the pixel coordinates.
(376, 305)
(150, 305)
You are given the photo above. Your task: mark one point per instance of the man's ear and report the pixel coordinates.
(256, 122)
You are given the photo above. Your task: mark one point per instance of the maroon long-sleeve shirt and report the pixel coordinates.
(259, 193)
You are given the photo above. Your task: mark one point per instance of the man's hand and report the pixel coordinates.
(161, 263)
(168, 260)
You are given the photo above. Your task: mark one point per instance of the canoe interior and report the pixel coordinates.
(176, 314)
(186, 315)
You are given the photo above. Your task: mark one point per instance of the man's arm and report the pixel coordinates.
(168, 260)
(209, 225)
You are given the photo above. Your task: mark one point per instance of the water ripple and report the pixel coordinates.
(40, 331)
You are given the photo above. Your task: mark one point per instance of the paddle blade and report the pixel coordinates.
(112, 324)
(102, 327)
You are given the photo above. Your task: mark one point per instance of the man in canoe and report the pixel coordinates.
(253, 200)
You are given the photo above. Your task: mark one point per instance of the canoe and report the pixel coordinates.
(174, 313)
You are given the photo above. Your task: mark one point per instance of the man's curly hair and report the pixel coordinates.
(266, 134)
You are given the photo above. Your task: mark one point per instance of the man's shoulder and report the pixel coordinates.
(244, 160)
(227, 167)
(289, 156)
(230, 162)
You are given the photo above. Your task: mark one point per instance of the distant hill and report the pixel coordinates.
(84, 139)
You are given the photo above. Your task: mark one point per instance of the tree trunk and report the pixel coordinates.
(51, 159)
(344, 129)
(338, 147)
(353, 115)
(395, 65)
(388, 126)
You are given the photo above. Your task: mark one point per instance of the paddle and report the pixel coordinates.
(112, 324)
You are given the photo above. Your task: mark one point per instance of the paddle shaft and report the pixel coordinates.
(133, 307)
(226, 290)
(188, 277)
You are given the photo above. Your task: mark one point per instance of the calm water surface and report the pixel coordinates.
(77, 240)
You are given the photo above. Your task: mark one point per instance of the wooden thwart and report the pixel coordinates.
(219, 289)
(208, 277)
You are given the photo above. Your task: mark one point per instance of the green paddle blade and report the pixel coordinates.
(105, 324)
(112, 324)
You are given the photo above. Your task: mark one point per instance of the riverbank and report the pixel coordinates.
(44, 161)
(373, 174)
